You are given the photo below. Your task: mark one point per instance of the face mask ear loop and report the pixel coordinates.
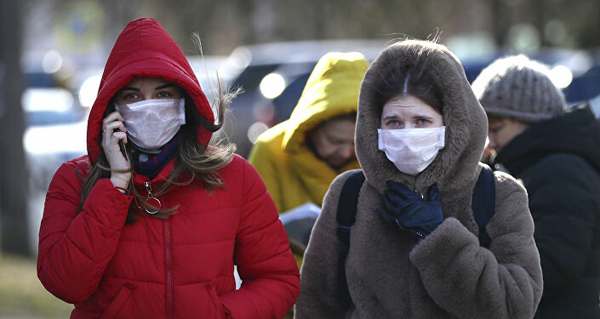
(380, 144)
(442, 140)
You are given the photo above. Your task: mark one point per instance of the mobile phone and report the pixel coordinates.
(122, 147)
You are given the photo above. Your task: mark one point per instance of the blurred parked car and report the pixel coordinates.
(55, 132)
(206, 69)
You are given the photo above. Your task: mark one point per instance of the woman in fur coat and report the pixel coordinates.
(414, 249)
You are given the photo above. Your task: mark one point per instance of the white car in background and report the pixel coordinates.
(55, 132)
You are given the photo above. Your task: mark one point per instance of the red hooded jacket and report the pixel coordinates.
(181, 267)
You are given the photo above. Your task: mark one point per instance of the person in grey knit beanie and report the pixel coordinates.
(519, 88)
(555, 152)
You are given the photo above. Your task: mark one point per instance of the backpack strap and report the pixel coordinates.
(484, 203)
(346, 215)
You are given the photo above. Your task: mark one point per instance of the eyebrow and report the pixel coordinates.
(423, 116)
(129, 88)
(339, 139)
(164, 86)
(419, 116)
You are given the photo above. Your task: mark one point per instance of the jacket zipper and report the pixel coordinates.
(168, 270)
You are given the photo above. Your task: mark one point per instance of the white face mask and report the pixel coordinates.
(412, 150)
(152, 123)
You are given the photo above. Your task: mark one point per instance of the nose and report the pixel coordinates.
(492, 142)
(347, 151)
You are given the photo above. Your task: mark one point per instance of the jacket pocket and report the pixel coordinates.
(199, 300)
(215, 302)
(120, 300)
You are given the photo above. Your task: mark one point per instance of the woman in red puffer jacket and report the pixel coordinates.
(152, 221)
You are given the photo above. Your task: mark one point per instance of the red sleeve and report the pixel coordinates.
(265, 262)
(75, 248)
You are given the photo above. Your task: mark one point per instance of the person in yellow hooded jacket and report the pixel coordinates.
(300, 157)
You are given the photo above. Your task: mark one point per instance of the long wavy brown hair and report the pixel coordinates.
(193, 163)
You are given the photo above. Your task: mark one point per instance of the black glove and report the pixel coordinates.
(410, 211)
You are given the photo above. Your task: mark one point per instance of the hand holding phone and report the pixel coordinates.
(114, 138)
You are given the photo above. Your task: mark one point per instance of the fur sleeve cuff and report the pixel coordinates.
(443, 243)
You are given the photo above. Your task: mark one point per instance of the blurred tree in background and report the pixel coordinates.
(223, 25)
(13, 175)
(226, 24)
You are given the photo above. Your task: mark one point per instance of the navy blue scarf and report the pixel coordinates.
(149, 164)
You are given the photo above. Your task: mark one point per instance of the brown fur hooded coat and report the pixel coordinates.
(448, 274)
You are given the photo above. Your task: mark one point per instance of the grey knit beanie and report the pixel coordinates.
(518, 88)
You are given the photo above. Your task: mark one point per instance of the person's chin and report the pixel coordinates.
(338, 163)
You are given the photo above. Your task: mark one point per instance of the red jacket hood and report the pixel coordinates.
(144, 49)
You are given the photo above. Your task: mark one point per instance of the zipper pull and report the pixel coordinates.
(419, 193)
(151, 200)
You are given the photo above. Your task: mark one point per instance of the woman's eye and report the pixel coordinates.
(130, 96)
(164, 94)
(393, 123)
(495, 129)
(422, 122)
(336, 142)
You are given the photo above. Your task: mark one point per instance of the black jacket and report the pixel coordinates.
(558, 161)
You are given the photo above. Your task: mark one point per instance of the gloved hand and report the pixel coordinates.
(411, 212)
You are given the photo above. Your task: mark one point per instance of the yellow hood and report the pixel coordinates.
(331, 90)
